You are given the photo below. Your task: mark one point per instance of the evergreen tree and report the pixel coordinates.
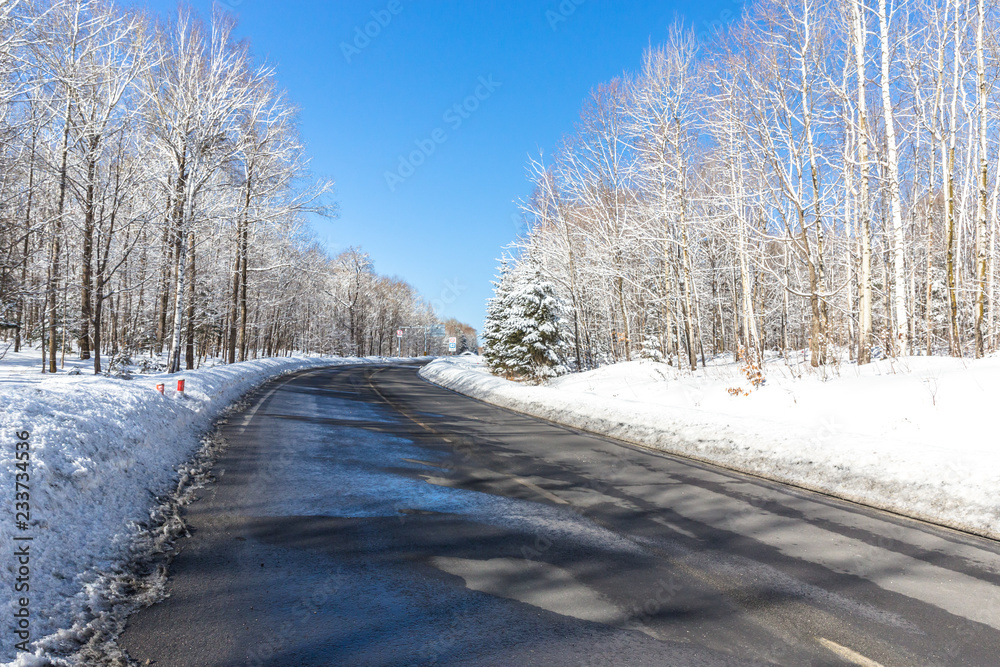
(522, 336)
(493, 324)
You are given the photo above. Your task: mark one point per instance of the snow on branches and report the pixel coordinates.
(523, 328)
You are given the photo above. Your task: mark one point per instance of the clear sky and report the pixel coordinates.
(368, 101)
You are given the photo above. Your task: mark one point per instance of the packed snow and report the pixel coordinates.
(102, 450)
(914, 435)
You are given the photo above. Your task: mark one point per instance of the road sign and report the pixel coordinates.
(399, 333)
(452, 344)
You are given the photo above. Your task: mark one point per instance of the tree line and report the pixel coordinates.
(820, 176)
(153, 199)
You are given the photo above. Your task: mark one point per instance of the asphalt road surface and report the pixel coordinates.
(362, 516)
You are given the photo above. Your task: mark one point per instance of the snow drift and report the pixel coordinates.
(102, 451)
(913, 436)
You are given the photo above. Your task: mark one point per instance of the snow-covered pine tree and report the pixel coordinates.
(493, 324)
(522, 336)
(652, 349)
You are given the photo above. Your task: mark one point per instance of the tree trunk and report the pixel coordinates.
(243, 340)
(57, 225)
(98, 317)
(751, 342)
(901, 324)
(955, 342)
(168, 252)
(864, 206)
(180, 263)
(620, 283)
(234, 306)
(929, 294)
(955, 339)
(239, 274)
(87, 277)
(991, 277)
(21, 319)
(981, 228)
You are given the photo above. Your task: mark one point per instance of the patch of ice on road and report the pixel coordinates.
(353, 472)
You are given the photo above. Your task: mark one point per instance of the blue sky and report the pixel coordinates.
(365, 105)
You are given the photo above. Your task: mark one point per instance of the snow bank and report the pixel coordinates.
(915, 436)
(102, 450)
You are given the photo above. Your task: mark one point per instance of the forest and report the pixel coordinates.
(819, 176)
(155, 196)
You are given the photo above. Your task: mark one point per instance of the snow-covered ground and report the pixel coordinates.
(26, 365)
(917, 436)
(101, 451)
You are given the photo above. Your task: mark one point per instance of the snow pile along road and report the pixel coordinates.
(101, 451)
(915, 436)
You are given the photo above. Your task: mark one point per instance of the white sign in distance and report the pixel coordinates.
(399, 333)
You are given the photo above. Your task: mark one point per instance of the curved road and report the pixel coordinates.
(362, 516)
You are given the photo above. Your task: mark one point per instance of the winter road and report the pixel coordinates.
(362, 516)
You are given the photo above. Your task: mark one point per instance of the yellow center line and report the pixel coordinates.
(534, 487)
(537, 489)
(847, 654)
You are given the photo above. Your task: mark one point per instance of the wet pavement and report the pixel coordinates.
(362, 516)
